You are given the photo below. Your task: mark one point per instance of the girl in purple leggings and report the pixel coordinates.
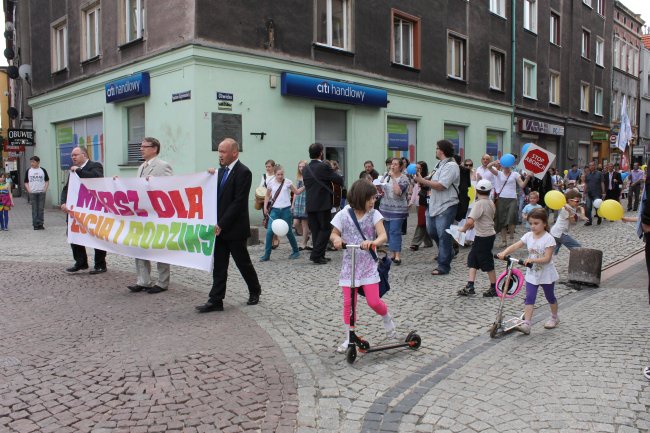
(540, 245)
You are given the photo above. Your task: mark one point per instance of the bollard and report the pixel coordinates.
(254, 239)
(585, 266)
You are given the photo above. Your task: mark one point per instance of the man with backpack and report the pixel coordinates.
(443, 203)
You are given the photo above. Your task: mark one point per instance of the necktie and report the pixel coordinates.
(225, 176)
(611, 175)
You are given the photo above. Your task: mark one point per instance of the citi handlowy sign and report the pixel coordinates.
(335, 91)
(133, 86)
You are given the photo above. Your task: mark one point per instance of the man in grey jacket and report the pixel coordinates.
(152, 166)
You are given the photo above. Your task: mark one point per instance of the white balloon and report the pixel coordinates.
(280, 227)
(597, 203)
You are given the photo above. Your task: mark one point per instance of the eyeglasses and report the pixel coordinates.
(577, 200)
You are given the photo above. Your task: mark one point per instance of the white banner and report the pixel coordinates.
(167, 219)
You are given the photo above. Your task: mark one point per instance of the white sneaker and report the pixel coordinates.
(524, 328)
(343, 347)
(552, 323)
(646, 372)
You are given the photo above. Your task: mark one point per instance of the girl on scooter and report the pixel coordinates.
(361, 198)
(540, 245)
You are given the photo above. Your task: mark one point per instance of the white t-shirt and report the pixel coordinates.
(540, 273)
(563, 221)
(284, 198)
(486, 174)
(509, 190)
(264, 182)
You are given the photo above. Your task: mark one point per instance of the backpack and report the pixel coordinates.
(463, 196)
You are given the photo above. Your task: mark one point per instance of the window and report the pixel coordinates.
(617, 50)
(456, 134)
(600, 7)
(598, 101)
(90, 31)
(498, 7)
(635, 64)
(497, 66)
(631, 110)
(135, 122)
(586, 36)
(406, 39)
(587, 2)
(133, 16)
(616, 105)
(555, 28)
(530, 15)
(456, 57)
(494, 143)
(554, 88)
(584, 97)
(332, 27)
(600, 51)
(59, 45)
(530, 79)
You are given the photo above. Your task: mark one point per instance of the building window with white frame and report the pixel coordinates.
(600, 51)
(91, 31)
(497, 66)
(587, 2)
(406, 39)
(598, 101)
(616, 105)
(333, 23)
(498, 7)
(456, 59)
(585, 41)
(584, 97)
(600, 7)
(530, 15)
(555, 28)
(530, 79)
(554, 88)
(135, 132)
(132, 20)
(59, 49)
(617, 52)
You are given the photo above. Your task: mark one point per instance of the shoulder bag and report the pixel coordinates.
(265, 220)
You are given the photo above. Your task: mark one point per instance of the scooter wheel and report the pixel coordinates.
(364, 345)
(493, 330)
(414, 341)
(351, 354)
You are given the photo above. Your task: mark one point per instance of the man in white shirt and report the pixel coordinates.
(36, 182)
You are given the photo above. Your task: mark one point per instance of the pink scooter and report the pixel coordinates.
(508, 285)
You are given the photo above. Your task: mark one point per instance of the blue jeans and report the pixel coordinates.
(283, 214)
(394, 232)
(567, 241)
(38, 207)
(436, 227)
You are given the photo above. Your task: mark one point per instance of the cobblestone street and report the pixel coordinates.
(81, 353)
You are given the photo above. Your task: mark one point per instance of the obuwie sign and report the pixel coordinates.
(20, 137)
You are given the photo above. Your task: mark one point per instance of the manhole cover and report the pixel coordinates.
(9, 361)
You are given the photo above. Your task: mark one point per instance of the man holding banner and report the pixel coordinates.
(84, 168)
(232, 228)
(152, 166)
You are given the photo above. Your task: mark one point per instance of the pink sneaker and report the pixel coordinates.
(552, 323)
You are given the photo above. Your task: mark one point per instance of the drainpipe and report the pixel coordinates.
(512, 75)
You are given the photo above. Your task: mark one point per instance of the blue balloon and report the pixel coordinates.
(624, 175)
(524, 149)
(507, 160)
(412, 169)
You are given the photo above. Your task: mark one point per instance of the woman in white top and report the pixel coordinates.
(277, 204)
(505, 192)
(269, 166)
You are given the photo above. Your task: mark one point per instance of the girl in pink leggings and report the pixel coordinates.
(361, 198)
(540, 245)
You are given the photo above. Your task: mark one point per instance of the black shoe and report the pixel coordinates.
(137, 288)
(320, 261)
(466, 291)
(490, 293)
(210, 306)
(76, 268)
(253, 300)
(97, 271)
(600, 220)
(155, 289)
(588, 223)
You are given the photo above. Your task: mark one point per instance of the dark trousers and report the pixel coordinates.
(320, 227)
(81, 259)
(613, 195)
(38, 207)
(239, 251)
(633, 196)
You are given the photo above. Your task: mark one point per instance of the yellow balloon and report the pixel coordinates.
(643, 167)
(611, 210)
(566, 172)
(471, 193)
(554, 200)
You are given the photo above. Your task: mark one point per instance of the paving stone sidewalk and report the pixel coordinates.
(402, 390)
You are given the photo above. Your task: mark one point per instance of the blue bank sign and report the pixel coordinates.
(335, 91)
(133, 86)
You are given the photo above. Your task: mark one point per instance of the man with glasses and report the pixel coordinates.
(152, 166)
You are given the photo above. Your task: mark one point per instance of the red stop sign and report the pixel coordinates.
(536, 161)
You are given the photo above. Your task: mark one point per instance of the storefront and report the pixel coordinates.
(544, 134)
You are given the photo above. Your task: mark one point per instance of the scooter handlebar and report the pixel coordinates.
(346, 246)
(515, 260)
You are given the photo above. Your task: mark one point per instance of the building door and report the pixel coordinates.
(401, 138)
(331, 131)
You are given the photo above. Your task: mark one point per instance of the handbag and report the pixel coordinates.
(497, 194)
(383, 264)
(265, 219)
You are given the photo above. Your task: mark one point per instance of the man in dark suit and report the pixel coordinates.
(232, 229)
(318, 177)
(612, 182)
(84, 168)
